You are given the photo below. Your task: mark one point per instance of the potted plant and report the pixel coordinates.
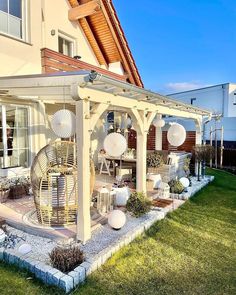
(176, 187)
(154, 161)
(138, 204)
(4, 189)
(19, 187)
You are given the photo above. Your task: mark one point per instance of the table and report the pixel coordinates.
(116, 159)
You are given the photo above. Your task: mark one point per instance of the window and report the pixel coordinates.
(234, 100)
(13, 18)
(66, 45)
(14, 142)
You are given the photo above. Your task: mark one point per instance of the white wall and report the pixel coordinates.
(210, 98)
(18, 57)
(218, 99)
(56, 18)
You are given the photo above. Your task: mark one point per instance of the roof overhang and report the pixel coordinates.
(97, 88)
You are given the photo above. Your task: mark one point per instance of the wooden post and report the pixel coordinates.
(141, 162)
(215, 145)
(211, 145)
(83, 147)
(221, 146)
(198, 140)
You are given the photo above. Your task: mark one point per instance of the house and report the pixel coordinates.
(73, 55)
(86, 36)
(219, 99)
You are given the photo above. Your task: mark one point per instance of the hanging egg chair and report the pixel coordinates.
(54, 183)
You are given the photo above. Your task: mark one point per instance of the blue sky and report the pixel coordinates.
(181, 44)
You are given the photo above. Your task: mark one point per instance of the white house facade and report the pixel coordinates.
(219, 99)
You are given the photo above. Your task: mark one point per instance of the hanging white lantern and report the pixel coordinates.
(159, 122)
(184, 181)
(63, 123)
(117, 219)
(176, 134)
(115, 144)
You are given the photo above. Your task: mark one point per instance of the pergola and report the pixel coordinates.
(94, 94)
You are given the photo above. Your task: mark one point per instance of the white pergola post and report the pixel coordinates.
(83, 147)
(158, 136)
(141, 161)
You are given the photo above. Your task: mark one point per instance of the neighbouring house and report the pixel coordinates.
(219, 99)
(74, 54)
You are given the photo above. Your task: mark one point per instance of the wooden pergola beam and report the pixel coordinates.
(84, 10)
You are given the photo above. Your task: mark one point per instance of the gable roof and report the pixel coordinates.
(106, 37)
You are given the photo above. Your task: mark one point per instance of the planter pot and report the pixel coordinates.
(122, 195)
(17, 192)
(4, 195)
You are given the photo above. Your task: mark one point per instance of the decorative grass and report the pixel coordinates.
(192, 251)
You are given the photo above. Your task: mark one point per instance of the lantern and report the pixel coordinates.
(117, 219)
(63, 123)
(115, 144)
(184, 181)
(176, 134)
(159, 122)
(106, 200)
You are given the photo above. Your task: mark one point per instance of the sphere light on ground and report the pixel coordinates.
(116, 219)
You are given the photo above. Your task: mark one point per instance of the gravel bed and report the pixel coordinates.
(40, 246)
(105, 235)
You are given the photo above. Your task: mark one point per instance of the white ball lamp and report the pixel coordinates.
(158, 122)
(116, 219)
(176, 134)
(184, 181)
(63, 123)
(115, 144)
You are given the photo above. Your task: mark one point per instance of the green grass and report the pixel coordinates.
(192, 251)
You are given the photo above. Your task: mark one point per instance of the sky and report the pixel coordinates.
(181, 44)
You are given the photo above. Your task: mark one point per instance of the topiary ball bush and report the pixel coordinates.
(138, 204)
(176, 187)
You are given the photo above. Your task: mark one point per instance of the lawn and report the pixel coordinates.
(192, 251)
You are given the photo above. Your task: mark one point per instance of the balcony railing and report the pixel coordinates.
(53, 61)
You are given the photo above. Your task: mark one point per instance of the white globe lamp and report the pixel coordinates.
(159, 122)
(176, 134)
(184, 181)
(116, 219)
(25, 248)
(115, 144)
(63, 123)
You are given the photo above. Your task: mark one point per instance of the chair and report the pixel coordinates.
(104, 164)
(54, 183)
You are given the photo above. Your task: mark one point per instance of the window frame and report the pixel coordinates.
(234, 99)
(24, 22)
(4, 136)
(69, 39)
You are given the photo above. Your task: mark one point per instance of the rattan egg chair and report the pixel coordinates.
(54, 183)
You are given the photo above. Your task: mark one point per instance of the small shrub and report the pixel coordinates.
(154, 160)
(176, 187)
(138, 204)
(66, 259)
